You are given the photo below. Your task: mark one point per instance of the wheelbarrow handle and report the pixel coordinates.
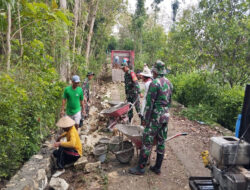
(132, 104)
(177, 135)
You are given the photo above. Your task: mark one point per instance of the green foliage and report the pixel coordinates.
(205, 100)
(29, 104)
(229, 105)
(200, 112)
(215, 36)
(126, 44)
(194, 88)
(112, 43)
(42, 36)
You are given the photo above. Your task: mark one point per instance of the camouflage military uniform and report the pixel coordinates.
(132, 90)
(85, 89)
(158, 101)
(156, 114)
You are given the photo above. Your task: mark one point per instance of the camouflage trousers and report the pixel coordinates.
(154, 132)
(132, 99)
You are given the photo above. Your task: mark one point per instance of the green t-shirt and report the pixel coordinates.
(73, 97)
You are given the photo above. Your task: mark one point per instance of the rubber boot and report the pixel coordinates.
(140, 168)
(157, 167)
(129, 119)
(141, 118)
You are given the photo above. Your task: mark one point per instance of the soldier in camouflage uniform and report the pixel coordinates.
(85, 89)
(132, 89)
(156, 113)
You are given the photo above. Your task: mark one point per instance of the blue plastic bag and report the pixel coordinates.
(237, 127)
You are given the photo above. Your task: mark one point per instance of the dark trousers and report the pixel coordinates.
(65, 156)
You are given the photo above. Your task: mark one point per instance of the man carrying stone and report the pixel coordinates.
(73, 96)
(132, 89)
(156, 112)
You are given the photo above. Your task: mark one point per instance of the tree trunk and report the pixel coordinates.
(90, 33)
(8, 37)
(84, 22)
(65, 63)
(20, 31)
(75, 27)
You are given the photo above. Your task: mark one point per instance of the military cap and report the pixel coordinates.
(90, 73)
(159, 68)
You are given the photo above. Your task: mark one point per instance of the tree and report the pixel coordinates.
(8, 53)
(214, 36)
(65, 62)
(76, 13)
(137, 24)
(93, 17)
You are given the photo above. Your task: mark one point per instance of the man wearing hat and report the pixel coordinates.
(73, 96)
(146, 76)
(132, 89)
(158, 102)
(85, 89)
(70, 151)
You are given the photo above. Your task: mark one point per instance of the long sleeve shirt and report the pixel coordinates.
(131, 83)
(73, 140)
(145, 95)
(85, 88)
(158, 100)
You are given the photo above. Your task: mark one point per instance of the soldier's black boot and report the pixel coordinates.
(140, 168)
(157, 167)
(142, 119)
(129, 119)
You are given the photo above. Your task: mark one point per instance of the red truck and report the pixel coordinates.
(117, 57)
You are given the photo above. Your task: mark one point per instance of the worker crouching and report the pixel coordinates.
(70, 151)
(158, 101)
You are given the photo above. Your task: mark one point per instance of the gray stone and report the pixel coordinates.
(41, 178)
(81, 162)
(58, 184)
(38, 156)
(33, 175)
(92, 167)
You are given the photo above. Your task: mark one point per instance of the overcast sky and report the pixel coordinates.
(165, 15)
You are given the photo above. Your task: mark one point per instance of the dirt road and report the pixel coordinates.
(182, 156)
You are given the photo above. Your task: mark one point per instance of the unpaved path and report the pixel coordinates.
(182, 156)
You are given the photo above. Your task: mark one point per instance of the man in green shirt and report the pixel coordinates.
(73, 96)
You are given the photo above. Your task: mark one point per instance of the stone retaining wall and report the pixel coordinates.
(34, 174)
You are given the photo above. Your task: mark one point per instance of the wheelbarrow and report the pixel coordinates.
(134, 134)
(117, 114)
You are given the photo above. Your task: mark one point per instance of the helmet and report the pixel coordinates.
(159, 68)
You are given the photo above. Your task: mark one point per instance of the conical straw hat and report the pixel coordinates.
(65, 122)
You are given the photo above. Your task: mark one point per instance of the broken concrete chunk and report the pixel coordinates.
(92, 167)
(41, 178)
(81, 162)
(38, 156)
(93, 111)
(90, 140)
(58, 184)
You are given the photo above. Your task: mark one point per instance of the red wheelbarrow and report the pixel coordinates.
(117, 114)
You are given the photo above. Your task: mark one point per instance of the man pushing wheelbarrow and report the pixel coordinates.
(156, 115)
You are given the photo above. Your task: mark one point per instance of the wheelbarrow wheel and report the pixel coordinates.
(125, 153)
